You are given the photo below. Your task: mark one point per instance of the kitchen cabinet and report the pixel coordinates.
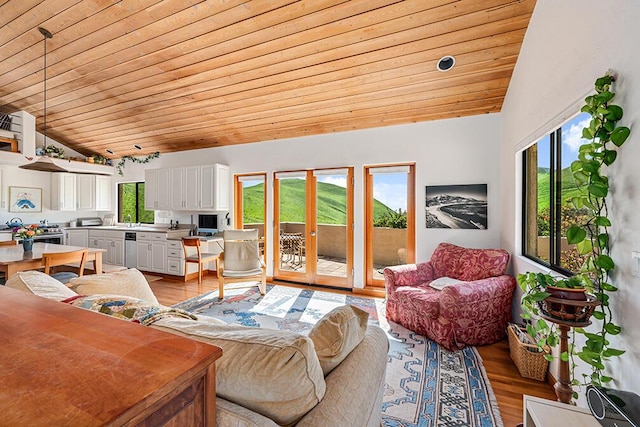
(104, 193)
(214, 187)
(152, 252)
(189, 188)
(86, 192)
(112, 242)
(76, 238)
(63, 192)
(185, 182)
(157, 186)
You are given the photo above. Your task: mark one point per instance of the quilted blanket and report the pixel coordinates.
(132, 309)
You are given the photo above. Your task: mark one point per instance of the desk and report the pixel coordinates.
(14, 259)
(69, 366)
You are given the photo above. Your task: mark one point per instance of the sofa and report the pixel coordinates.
(460, 297)
(334, 376)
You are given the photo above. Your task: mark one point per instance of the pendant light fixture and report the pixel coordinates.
(44, 163)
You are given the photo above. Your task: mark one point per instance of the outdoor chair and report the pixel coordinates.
(241, 260)
(53, 259)
(199, 257)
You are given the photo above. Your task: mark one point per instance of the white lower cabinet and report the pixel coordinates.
(76, 238)
(112, 242)
(152, 252)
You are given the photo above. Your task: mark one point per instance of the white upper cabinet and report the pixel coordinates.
(104, 193)
(63, 192)
(93, 192)
(86, 192)
(214, 187)
(157, 189)
(188, 188)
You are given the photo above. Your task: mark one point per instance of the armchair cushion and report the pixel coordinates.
(131, 283)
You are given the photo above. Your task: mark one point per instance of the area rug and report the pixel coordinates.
(426, 385)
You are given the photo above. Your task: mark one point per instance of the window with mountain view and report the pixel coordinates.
(548, 188)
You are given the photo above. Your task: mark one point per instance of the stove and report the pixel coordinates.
(51, 233)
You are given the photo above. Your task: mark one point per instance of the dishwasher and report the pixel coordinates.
(130, 250)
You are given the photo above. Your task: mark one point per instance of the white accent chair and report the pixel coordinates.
(241, 260)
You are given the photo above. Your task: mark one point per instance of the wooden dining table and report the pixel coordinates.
(14, 259)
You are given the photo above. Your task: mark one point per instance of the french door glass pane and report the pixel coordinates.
(293, 213)
(253, 205)
(389, 239)
(331, 213)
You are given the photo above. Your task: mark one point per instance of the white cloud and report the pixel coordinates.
(392, 195)
(340, 181)
(573, 137)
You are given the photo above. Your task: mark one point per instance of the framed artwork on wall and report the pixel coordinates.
(25, 199)
(456, 206)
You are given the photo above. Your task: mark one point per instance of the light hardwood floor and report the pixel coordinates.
(506, 382)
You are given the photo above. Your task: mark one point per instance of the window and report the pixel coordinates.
(131, 202)
(548, 188)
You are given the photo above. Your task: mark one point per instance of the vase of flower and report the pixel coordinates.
(27, 245)
(26, 233)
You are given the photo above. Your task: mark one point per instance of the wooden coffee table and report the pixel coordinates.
(62, 365)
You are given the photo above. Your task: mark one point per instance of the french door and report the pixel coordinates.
(313, 226)
(251, 205)
(389, 219)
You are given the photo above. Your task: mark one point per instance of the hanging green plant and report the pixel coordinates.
(142, 160)
(591, 239)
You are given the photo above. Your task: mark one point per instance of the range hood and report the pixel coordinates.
(44, 164)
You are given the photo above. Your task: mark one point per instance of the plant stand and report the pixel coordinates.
(581, 310)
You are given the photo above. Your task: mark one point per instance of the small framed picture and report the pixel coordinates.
(25, 199)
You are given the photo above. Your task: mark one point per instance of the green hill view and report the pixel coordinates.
(569, 187)
(332, 207)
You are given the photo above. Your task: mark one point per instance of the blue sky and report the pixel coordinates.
(571, 141)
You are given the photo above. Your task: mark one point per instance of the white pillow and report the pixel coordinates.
(38, 283)
(129, 283)
(442, 282)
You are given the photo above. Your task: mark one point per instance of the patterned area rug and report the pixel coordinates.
(426, 385)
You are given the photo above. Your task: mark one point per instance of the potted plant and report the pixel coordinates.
(99, 159)
(591, 238)
(54, 151)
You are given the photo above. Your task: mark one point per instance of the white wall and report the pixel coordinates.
(567, 46)
(456, 151)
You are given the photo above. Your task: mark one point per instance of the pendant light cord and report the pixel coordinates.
(46, 35)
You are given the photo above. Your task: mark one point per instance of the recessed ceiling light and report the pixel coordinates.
(446, 63)
(109, 151)
(137, 147)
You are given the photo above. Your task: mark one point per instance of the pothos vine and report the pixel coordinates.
(133, 159)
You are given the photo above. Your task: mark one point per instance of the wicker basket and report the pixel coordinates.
(529, 361)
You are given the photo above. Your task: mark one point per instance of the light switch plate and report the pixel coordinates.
(635, 256)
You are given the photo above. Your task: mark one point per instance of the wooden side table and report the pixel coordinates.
(62, 365)
(547, 413)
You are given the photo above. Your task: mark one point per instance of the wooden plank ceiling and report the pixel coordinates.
(177, 75)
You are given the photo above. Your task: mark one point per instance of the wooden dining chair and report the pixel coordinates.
(198, 257)
(53, 259)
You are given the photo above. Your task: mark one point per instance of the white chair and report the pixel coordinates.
(241, 260)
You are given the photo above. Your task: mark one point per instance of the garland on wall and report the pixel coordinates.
(141, 160)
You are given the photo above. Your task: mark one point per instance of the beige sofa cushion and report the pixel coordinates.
(130, 283)
(38, 283)
(337, 334)
(274, 373)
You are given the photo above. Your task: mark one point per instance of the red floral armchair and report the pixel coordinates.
(473, 312)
